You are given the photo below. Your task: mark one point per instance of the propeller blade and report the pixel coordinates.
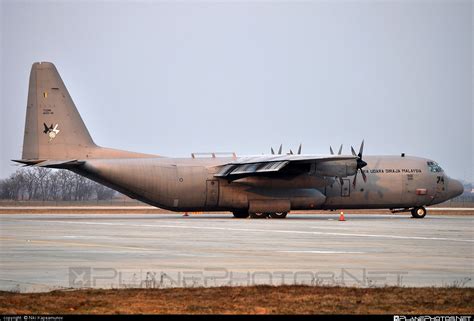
(330, 149)
(363, 175)
(299, 150)
(291, 152)
(273, 152)
(353, 151)
(340, 150)
(280, 149)
(355, 179)
(361, 149)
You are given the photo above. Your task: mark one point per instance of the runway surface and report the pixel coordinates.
(45, 252)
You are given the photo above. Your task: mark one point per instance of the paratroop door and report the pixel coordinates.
(212, 193)
(346, 188)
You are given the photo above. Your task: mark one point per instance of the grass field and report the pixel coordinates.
(245, 300)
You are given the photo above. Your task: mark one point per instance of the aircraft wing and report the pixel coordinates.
(289, 165)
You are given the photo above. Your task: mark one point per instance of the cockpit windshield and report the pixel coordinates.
(434, 167)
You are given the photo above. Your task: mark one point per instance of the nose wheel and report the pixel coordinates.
(418, 212)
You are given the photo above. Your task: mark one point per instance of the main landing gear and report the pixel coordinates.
(245, 214)
(258, 215)
(278, 215)
(240, 214)
(418, 212)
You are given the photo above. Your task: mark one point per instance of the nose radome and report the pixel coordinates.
(455, 188)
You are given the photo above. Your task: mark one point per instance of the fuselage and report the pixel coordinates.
(189, 184)
(255, 186)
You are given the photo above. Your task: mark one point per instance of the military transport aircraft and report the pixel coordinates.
(257, 186)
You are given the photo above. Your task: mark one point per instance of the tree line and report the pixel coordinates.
(45, 184)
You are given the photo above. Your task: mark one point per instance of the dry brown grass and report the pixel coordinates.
(244, 300)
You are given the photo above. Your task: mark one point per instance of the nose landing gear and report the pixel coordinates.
(418, 212)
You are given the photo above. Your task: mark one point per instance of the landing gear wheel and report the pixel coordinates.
(259, 215)
(241, 214)
(278, 215)
(418, 212)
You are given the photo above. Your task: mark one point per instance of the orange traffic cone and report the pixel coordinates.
(341, 217)
(186, 214)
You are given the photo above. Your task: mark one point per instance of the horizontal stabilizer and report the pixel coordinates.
(28, 162)
(50, 163)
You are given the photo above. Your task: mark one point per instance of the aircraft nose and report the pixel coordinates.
(455, 188)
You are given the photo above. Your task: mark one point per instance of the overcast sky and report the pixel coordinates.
(175, 78)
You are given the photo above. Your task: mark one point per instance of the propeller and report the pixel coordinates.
(279, 150)
(339, 152)
(299, 151)
(360, 163)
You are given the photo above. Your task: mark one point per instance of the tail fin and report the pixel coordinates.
(54, 129)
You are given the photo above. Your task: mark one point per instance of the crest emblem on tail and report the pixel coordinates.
(51, 131)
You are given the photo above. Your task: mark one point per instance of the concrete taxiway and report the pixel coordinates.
(45, 252)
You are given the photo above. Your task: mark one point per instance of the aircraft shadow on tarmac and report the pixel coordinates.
(180, 217)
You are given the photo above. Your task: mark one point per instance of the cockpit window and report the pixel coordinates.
(434, 167)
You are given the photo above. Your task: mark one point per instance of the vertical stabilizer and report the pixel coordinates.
(53, 129)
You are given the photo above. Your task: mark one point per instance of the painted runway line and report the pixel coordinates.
(254, 230)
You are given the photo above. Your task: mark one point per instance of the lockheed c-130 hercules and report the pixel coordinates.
(257, 186)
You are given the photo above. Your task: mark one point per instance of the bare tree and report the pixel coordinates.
(103, 192)
(36, 183)
(41, 176)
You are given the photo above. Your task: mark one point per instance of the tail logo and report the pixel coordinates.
(51, 131)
